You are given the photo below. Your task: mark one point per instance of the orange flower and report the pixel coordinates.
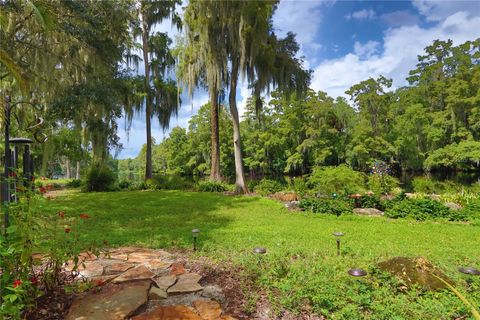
(61, 214)
(67, 230)
(42, 190)
(99, 282)
(84, 216)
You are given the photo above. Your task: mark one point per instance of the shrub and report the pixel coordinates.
(472, 210)
(171, 182)
(211, 186)
(326, 206)
(423, 209)
(382, 184)
(427, 185)
(341, 180)
(125, 184)
(99, 178)
(299, 185)
(75, 183)
(371, 202)
(267, 186)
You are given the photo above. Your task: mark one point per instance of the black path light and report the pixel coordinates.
(357, 272)
(470, 271)
(195, 233)
(338, 235)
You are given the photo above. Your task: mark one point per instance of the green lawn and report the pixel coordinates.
(300, 269)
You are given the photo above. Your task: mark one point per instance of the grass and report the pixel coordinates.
(300, 270)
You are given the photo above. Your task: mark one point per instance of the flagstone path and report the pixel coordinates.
(143, 284)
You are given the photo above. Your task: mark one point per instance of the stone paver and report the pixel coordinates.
(119, 302)
(138, 273)
(130, 279)
(186, 283)
(208, 310)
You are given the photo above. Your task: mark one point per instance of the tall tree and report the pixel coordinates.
(161, 95)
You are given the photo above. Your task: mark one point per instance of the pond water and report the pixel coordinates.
(464, 178)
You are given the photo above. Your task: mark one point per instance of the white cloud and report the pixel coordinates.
(363, 14)
(439, 10)
(400, 18)
(401, 47)
(366, 50)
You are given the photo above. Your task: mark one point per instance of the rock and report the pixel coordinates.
(177, 269)
(186, 283)
(176, 312)
(435, 197)
(409, 195)
(453, 206)
(157, 293)
(213, 292)
(158, 265)
(119, 302)
(415, 271)
(89, 269)
(208, 309)
(101, 280)
(138, 273)
(292, 205)
(185, 299)
(118, 267)
(368, 211)
(165, 282)
(286, 196)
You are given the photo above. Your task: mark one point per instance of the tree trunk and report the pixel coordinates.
(148, 101)
(240, 185)
(215, 165)
(77, 174)
(67, 166)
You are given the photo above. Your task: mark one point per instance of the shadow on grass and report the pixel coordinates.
(148, 218)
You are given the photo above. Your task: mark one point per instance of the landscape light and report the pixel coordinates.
(356, 272)
(338, 235)
(259, 250)
(195, 233)
(470, 271)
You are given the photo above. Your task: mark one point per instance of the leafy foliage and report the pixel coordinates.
(99, 178)
(211, 186)
(326, 206)
(424, 209)
(267, 186)
(340, 180)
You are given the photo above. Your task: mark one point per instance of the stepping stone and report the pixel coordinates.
(416, 272)
(186, 283)
(177, 269)
(88, 269)
(116, 302)
(157, 293)
(138, 273)
(165, 282)
(177, 312)
(118, 267)
(208, 309)
(213, 292)
(158, 265)
(142, 257)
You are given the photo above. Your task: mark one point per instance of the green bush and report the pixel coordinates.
(340, 180)
(99, 178)
(382, 184)
(170, 182)
(472, 210)
(424, 209)
(125, 184)
(267, 186)
(371, 202)
(211, 186)
(299, 185)
(75, 183)
(326, 206)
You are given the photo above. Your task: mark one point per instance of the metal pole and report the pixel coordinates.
(194, 244)
(338, 246)
(6, 185)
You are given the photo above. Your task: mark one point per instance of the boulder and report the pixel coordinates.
(416, 272)
(453, 206)
(116, 302)
(368, 212)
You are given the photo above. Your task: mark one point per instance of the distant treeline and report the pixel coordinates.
(434, 123)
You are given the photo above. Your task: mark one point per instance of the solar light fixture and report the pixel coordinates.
(470, 271)
(195, 233)
(356, 272)
(338, 235)
(259, 250)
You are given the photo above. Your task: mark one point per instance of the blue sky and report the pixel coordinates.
(345, 42)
